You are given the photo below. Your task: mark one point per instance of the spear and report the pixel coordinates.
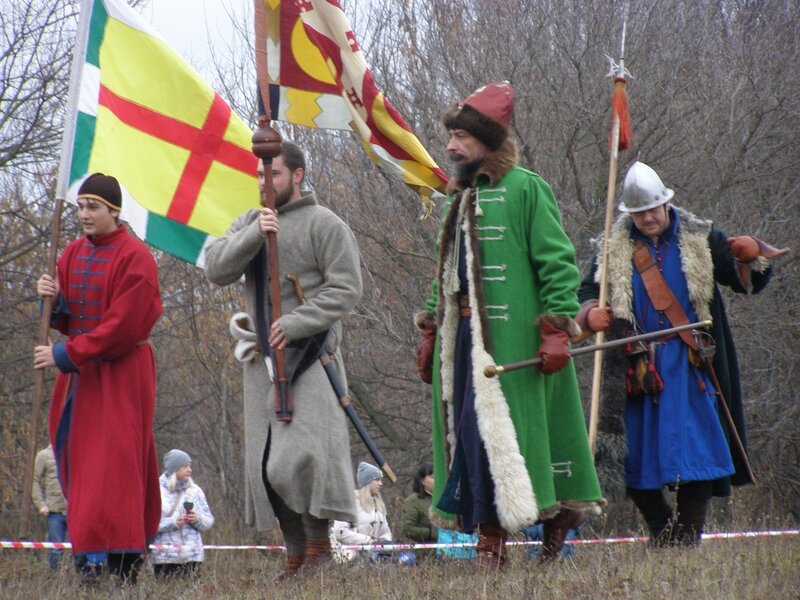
(266, 146)
(620, 140)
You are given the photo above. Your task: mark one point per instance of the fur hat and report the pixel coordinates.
(104, 188)
(174, 460)
(366, 474)
(485, 114)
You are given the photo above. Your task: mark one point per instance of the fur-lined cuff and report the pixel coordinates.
(443, 523)
(564, 323)
(594, 508)
(424, 319)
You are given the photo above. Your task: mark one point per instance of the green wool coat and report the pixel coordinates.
(521, 269)
(415, 525)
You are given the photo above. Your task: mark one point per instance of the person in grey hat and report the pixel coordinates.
(184, 516)
(672, 433)
(106, 300)
(367, 473)
(371, 525)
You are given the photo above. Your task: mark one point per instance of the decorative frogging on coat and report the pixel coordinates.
(514, 496)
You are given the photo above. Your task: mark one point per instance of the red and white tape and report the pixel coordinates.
(24, 545)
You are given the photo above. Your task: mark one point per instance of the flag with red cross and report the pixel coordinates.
(140, 112)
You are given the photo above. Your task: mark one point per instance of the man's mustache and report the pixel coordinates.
(456, 157)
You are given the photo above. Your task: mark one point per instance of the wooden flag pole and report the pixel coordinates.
(38, 392)
(616, 126)
(266, 146)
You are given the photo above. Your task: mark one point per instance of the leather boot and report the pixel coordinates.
(657, 514)
(555, 532)
(292, 568)
(692, 503)
(318, 553)
(491, 548)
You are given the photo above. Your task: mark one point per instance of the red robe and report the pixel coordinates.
(101, 415)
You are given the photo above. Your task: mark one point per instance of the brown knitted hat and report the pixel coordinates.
(104, 188)
(486, 114)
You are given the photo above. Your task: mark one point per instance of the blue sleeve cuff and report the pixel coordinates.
(63, 361)
(60, 307)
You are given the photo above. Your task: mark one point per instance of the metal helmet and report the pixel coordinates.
(643, 189)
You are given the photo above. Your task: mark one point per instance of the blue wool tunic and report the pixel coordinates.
(676, 436)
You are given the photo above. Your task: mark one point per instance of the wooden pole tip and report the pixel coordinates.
(389, 473)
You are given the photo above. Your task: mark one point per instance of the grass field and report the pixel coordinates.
(737, 568)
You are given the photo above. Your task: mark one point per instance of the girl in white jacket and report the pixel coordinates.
(372, 526)
(184, 514)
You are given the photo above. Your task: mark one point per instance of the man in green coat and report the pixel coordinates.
(512, 450)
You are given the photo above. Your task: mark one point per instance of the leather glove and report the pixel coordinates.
(554, 349)
(425, 352)
(599, 319)
(744, 248)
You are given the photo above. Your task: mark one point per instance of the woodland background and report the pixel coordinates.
(715, 104)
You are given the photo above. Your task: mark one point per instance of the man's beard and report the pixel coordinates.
(464, 171)
(283, 197)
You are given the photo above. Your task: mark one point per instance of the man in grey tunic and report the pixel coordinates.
(304, 465)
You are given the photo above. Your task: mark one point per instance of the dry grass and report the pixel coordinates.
(747, 568)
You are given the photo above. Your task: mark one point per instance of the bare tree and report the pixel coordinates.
(715, 102)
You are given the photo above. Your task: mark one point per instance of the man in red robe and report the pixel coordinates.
(106, 300)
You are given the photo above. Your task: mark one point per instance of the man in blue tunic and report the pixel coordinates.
(672, 423)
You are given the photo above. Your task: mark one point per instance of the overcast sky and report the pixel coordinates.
(192, 27)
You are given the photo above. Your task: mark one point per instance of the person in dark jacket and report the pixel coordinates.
(416, 523)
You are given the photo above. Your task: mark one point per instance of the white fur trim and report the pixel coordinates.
(242, 329)
(698, 267)
(514, 497)
(447, 350)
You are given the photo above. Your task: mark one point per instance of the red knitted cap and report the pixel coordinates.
(495, 100)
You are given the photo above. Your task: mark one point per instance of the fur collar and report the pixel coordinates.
(494, 166)
(696, 261)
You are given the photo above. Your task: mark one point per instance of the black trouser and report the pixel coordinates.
(125, 565)
(691, 503)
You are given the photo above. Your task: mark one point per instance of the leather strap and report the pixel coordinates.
(659, 292)
(664, 300)
(262, 307)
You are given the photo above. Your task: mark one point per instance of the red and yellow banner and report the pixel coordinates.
(318, 77)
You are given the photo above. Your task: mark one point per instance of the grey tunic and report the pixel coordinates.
(308, 462)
